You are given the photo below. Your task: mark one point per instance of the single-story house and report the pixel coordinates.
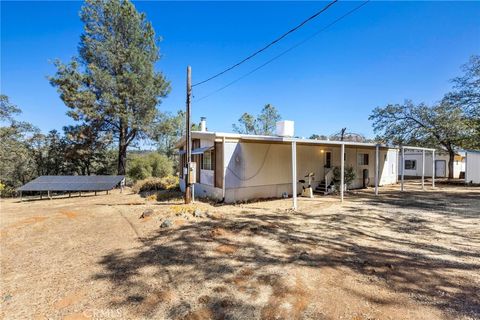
(413, 164)
(237, 167)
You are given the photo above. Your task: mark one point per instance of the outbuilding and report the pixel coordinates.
(472, 166)
(413, 161)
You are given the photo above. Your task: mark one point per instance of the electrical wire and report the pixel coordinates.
(257, 172)
(283, 53)
(268, 45)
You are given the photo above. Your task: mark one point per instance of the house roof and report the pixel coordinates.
(277, 139)
(274, 139)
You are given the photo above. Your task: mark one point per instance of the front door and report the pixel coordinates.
(440, 168)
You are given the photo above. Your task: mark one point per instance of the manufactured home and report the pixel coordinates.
(413, 164)
(237, 167)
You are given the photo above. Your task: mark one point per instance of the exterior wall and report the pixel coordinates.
(388, 167)
(206, 143)
(206, 177)
(205, 188)
(262, 170)
(204, 191)
(458, 166)
(472, 170)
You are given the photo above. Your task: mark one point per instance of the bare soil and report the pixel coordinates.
(411, 255)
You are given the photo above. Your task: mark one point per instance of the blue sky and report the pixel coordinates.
(384, 53)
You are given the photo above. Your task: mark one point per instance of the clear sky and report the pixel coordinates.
(383, 53)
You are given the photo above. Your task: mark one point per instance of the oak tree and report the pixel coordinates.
(263, 124)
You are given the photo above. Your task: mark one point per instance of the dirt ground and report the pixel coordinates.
(411, 255)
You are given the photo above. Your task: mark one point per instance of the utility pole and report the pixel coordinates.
(188, 138)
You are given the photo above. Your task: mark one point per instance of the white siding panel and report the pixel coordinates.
(206, 177)
(472, 170)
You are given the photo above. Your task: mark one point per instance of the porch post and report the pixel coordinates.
(403, 167)
(377, 155)
(193, 192)
(294, 174)
(342, 169)
(223, 168)
(433, 169)
(423, 169)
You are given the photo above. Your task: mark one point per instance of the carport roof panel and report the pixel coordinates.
(72, 183)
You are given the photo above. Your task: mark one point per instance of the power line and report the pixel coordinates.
(284, 52)
(268, 45)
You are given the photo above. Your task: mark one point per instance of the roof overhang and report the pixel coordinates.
(220, 136)
(201, 150)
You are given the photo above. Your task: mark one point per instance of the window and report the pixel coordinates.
(410, 164)
(362, 159)
(207, 160)
(328, 160)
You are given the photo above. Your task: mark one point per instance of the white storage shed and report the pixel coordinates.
(472, 167)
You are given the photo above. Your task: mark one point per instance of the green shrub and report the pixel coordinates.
(7, 191)
(349, 176)
(156, 184)
(141, 167)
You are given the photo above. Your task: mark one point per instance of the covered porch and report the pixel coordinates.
(384, 165)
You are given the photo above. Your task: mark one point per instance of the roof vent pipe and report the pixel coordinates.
(203, 124)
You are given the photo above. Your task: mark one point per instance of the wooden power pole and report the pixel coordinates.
(188, 139)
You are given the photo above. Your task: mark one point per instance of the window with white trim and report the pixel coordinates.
(410, 164)
(207, 160)
(362, 159)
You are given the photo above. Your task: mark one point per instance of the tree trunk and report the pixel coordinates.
(451, 159)
(122, 151)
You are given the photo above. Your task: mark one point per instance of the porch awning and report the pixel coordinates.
(201, 150)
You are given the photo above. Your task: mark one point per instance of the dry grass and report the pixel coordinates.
(414, 255)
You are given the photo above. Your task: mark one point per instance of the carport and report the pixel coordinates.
(402, 167)
(342, 145)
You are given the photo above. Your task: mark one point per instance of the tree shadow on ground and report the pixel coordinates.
(438, 274)
(450, 203)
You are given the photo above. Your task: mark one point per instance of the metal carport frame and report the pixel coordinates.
(402, 173)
